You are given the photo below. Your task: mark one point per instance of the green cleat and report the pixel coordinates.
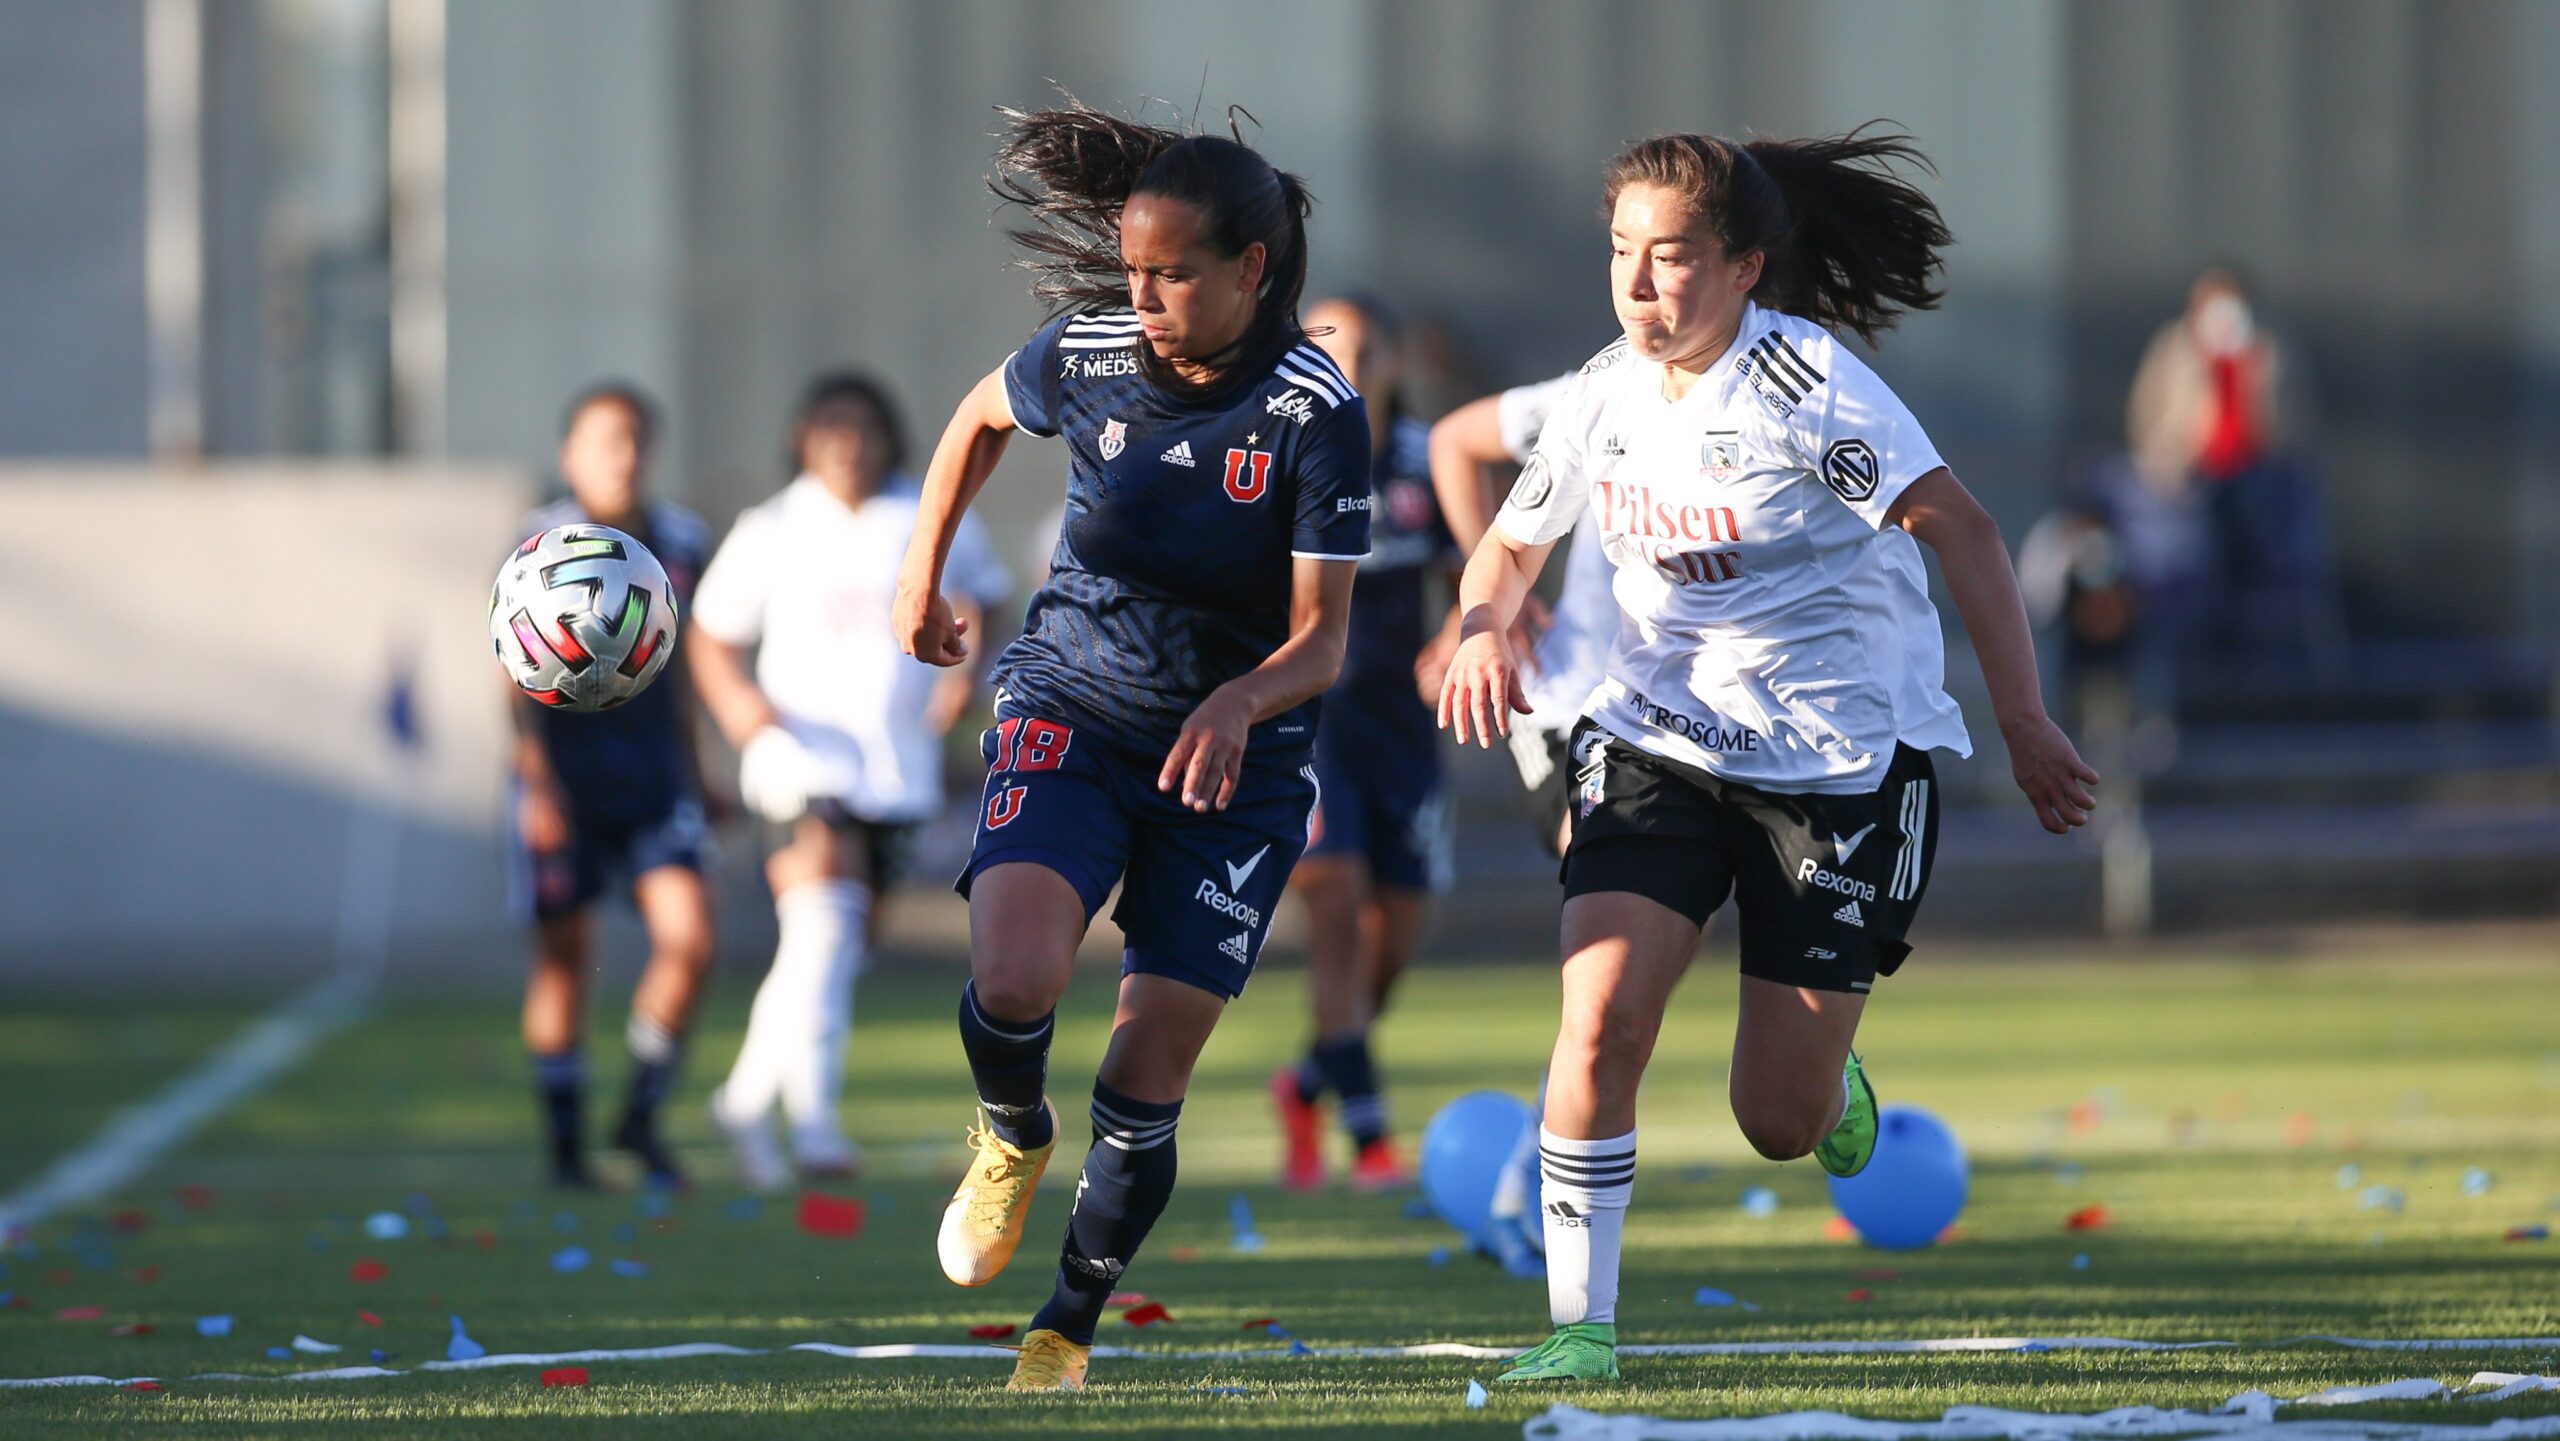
(1852, 1143)
(1584, 1351)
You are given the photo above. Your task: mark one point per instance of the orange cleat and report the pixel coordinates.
(1380, 1168)
(1301, 1133)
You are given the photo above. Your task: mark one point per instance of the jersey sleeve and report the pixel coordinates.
(1332, 521)
(1031, 380)
(1522, 413)
(729, 602)
(975, 569)
(1857, 437)
(1553, 488)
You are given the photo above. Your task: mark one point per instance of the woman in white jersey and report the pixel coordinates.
(839, 738)
(1764, 724)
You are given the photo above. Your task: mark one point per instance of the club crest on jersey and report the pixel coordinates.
(1720, 454)
(1248, 475)
(1115, 439)
(1535, 484)
(1851, 468)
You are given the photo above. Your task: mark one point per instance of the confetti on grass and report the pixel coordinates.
(994, 1331)
(1147, 1315)
(565, 1376)
(462, 1347)
(837, 1218)
(2089, 1218)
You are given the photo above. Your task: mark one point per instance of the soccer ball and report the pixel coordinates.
(582, 617)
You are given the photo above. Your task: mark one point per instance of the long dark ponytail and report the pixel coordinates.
(1846, 241)
(1073, 168)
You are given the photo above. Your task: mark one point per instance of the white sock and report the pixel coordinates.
(791, 1003)
(827, 920)
(1588, 1184)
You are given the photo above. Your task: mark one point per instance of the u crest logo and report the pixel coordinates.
(1004, 805)
(1248, 475)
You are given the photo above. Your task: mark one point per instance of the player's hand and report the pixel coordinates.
(775, 775)
(1431, 664)
(1483, 689)
(1209, 754)
(2051, 772)
(925, 625)
(542, 817)
(949, 700)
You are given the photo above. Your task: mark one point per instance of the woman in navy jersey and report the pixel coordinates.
(1155, 722)
(1381, 844)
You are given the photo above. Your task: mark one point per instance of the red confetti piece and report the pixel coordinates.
(1862, 1294)
(2089, 1218)
(131, 1328)
(995, 1332)
(1839, 1229)
(837, 1218)
(1147, 1315)
(2087, 1116)
(2528, 1233)
(1185, 1253)
(130, 1223)
(368, 1318)
(367, 1269)
(486, 1240)
(79, 1313)
(1262, 1323)
(143, 1386)
(147, 1274)
(196, 1197)
(2298, 1129)
(565, 1376)
(1127, 1298)
(17, 1302)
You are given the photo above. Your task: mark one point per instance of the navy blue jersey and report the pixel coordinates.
(1172, 571)
(629, 764)
(1407, 541)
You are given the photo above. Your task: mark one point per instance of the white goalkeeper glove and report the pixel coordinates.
(775, 775)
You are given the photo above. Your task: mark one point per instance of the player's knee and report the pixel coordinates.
(1011, 993)
(1612, 1034)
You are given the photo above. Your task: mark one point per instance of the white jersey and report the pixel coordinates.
(1773, 630)
(1568, 662)
(810, 581)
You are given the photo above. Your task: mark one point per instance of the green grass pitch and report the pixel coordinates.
(2218, 1098)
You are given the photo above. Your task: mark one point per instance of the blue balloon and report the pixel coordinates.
(1462, 1154)
(1912, 1189)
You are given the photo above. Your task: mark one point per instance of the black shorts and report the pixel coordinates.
(1826, 885)
(884, 843)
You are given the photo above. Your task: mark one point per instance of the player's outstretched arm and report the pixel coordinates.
(1463, 443)
(1484, 685)
(1940, 513)
(1208, 756)
(966, 455)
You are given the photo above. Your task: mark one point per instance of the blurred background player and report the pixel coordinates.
(839, 739)
(1155, 722)
(1381, 840)
(615, 795)
(1760, 491)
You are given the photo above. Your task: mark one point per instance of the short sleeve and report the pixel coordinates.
(1553, 488)
(1031, 380)
(1332, 521)
(729, 603)
(974, 568)
(1858, 438)
(1522, 413)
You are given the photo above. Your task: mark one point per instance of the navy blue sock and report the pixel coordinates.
(1353, 1076)
(1128, 1177)
(655, 1050)
(560, 1079)
(1010, 1062)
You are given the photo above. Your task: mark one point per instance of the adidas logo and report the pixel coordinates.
(1566, 1216)
(1238, 948)
(1179, 455)
(1851, 914)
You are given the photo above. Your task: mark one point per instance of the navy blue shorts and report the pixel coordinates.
(1196, 889)
(1382, 801)
(543, 884)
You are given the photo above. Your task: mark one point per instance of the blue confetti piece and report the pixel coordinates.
(745, 1208)
(2476, 1182)
(1239, 1212)
(2382, 1198)
(1759, 1201)
(6, 1297)
(2349, 1175)
(2035, 1346)
(2067, 1174)
(437, 1230)
(1475, 1396)
(522, 1211)
(379, 1355)
(278, 1353)
(1300, 1348)
(626, 1233)
(569, 1259)
(1439, 1256)
(419, 1205)
(565, 1223)
(625, 1266)
(2080, 1262)
(462, 1347)
(386, 1226)
(1222, 1390)
(1249, 1242)
(1710, 1296)
(655, 1204)
(213, 1325)
(1417, 1209)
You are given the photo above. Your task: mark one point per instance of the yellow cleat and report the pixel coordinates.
(983, 1223)
(1049, 1362)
